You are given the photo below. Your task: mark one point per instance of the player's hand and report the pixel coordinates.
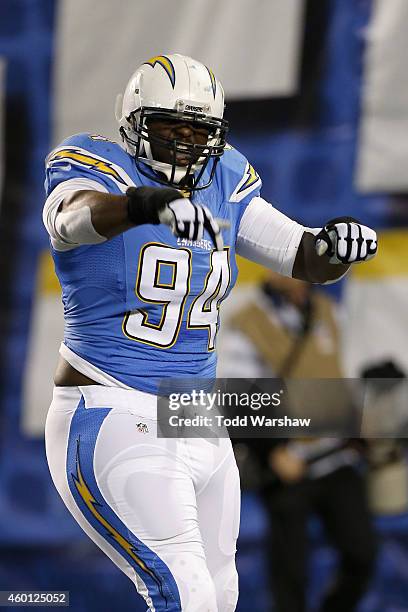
(189, 220)
(286, 465)
(166, 205)
(346, 241)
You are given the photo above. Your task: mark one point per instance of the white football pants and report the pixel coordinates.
(166, 511)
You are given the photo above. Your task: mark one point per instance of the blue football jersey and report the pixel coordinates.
(144, 305)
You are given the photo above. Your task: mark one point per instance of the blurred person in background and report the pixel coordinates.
(289, 329)
(385, 425)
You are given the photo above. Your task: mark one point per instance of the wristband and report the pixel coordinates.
(145, 203)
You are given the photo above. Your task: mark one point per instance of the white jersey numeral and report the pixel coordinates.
(172, 294)
(204, 311)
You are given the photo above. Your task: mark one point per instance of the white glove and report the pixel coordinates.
(346, 241)
(188, 220)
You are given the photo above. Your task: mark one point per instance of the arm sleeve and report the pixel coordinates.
(52, 203)
(268, 237)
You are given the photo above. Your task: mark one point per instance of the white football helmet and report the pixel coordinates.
(173, 87)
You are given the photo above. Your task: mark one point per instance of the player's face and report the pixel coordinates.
(181, 131)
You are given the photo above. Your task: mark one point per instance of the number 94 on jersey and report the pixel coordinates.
(163, 282)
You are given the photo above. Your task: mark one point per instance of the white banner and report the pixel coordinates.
(253, 46)
(375, 323)
(383, 149)
(46, 334)
(376, 305)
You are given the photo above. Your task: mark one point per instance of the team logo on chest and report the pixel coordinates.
(204, 244)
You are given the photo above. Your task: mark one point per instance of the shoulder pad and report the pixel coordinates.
(239, 177)
(95, 154)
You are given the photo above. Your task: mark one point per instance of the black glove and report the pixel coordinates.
(165, 205)
(145, 203)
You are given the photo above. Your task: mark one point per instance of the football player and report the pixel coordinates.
(144, 236)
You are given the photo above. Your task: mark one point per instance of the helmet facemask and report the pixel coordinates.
(141, 139)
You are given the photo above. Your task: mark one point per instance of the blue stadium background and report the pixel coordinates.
(40, 545)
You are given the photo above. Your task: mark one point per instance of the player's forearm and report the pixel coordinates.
(91, 217)
(308, 266)
(109, 213)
